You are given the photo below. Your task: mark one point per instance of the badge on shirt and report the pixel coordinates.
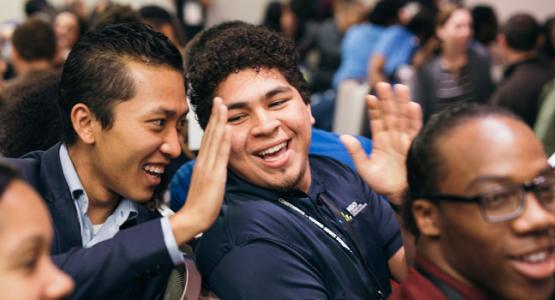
(355, 208)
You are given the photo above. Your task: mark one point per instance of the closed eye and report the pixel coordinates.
(234, 119)
(278, 103)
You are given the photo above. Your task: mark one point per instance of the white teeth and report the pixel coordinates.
(535, 257)
(154, 169)
(273, 149)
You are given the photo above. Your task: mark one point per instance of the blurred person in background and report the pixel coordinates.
(68, 29)
(163, 21)
(42, 8)
(400, 42)
(322, 42)
(527, 71)
(115, 14)
(32, 55)
(548, 49)
(26, 269)
(458, 74)
(360, 40)
(280, 18)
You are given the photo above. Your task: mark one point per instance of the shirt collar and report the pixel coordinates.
(70, 175)
(76, 188)
(236, 184)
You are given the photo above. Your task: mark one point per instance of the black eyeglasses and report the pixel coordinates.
(508, 204)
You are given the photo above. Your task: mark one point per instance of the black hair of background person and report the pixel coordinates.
(95, 73)
(549, 44)
(485, 24)
(215, 58)
(35, 39)
(32, 121)
(272, 16)
(424, 161)
(522, 32)
(385, 12)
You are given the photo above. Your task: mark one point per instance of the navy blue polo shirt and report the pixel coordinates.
(261, 249)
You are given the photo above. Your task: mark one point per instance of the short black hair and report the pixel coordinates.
(425, 163)
(35, 40)
(32, 121)
(522, 32)
(233, 46)
(484, 24)
(95, 71)
(385, 12)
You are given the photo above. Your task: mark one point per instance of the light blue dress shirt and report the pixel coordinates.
(126, 210)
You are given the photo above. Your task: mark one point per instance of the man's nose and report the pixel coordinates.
(266, 123)
(172, 144)
(535, 218)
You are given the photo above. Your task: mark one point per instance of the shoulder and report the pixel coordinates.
(416, 287)
(244, 222)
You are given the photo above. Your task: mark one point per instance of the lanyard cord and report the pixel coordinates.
(328, 231)
(378, 293)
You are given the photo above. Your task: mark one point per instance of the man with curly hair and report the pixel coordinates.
(294, 225)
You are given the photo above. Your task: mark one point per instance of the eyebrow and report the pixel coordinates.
(166, 112)
(504, 179)
(269, 94)
(28, 244)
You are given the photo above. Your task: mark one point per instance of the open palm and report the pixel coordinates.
(394, 121)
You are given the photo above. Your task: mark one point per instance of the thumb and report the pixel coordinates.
(355, 150)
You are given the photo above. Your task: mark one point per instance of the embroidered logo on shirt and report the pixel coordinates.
(355, 208)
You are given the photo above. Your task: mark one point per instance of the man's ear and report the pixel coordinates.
(83, 122)
(426, 217)
(312, 120)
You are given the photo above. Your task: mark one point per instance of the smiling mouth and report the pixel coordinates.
(274, 152)
(536, 265)
(154, 170)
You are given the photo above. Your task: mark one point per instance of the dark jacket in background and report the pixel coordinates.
(521, 88)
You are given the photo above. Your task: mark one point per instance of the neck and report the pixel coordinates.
(514, 57)
(306, 179)
(25, 68)
(453, 60)
(431, 250)
(102, 201)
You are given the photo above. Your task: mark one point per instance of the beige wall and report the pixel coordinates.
(252, 10)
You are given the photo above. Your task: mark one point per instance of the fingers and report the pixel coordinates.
(355, 150)
(213, 141)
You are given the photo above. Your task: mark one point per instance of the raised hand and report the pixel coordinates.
(394, 121)
(207, 187)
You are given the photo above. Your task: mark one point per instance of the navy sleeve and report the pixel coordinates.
(264, 270)
(101, 270)
(386, 225)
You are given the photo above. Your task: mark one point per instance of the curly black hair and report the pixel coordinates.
(229, 48)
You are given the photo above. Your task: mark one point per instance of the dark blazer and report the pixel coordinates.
(134, 264)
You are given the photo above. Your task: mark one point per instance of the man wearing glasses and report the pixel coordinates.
(481, 203)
